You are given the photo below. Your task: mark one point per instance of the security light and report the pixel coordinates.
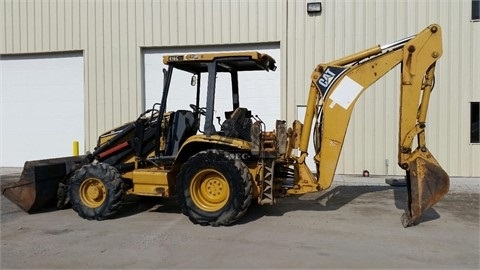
(314, 8)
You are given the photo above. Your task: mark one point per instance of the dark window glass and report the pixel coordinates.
(474, 122)
(475, 9)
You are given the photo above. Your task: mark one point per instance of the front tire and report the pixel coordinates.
(96, 191)
(214, 188)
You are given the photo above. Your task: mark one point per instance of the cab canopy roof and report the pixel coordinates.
(226, 62)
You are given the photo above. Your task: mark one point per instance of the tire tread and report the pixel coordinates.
(239, 203)
(113, 183)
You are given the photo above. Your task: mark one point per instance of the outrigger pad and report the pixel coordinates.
(427, 183)
(38, 184)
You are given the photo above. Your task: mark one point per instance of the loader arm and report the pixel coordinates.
(335, 88)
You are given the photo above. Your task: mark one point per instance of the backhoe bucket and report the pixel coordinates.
(427, 183)
(38, 184)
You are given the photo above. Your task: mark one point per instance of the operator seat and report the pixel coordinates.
(182, 127)
(238, 124)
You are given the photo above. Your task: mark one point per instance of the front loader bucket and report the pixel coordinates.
(427, 183)
(38, 184)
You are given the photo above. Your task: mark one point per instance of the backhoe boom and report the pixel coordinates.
(335, 88)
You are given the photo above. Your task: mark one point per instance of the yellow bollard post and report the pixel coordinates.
(75, 148)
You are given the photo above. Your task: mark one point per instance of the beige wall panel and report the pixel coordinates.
(349, 26)
(147, 9)
(8, 29)
(107, 67)
(133, 97)
(30, 46)
(87, 24)
(179, 22)
(202, 24)
(45, 25)
(16, 25)
(225, 21)
(37, 26)
(140, 17)
(97, 39)
(117, 114)
(123, 100)
(252, 21)
(23, 15)
(112, 33)
(211, 21)
(214, 14)
(155, 30)
(74, 20)
(53, 26)
(164, 23)
(61, 38)
(3, 20)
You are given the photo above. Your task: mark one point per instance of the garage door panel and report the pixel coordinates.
(44, 112)
(42, 106)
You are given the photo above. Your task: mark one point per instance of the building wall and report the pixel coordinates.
(347, 26)
(113, 33)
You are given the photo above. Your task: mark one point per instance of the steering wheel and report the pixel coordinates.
(201, 110)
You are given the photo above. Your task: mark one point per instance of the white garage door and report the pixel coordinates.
(259, 90)
(41, 106)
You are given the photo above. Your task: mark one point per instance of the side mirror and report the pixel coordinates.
(193, 81)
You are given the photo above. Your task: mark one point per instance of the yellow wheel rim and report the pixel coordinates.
(209, 190)
(93, 192)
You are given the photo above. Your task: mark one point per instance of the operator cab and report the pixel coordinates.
(184, 123)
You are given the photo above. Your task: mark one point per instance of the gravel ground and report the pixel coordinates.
(355, 224)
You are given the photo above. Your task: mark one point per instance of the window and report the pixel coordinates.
(474, 122)
(475, 10)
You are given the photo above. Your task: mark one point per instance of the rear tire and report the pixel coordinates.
(214, 188)
(96, 191)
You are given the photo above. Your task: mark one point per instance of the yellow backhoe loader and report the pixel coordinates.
(216, 172)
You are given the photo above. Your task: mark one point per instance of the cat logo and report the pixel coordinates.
(330, 75)
(327, 78)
